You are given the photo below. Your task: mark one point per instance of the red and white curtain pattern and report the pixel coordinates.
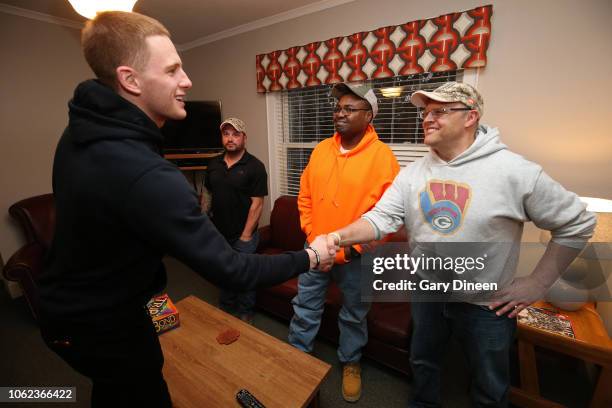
(449, 42)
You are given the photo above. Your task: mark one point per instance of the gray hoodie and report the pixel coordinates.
(484, 195)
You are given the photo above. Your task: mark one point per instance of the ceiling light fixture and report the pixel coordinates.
(392, 92)
(89, 8)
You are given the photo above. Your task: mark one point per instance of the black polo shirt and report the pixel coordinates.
(232, 189)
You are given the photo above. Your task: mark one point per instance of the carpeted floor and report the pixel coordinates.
(27, 362)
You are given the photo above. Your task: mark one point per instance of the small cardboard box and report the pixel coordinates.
(164, 314)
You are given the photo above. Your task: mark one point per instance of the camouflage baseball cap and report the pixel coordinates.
(450, 92)
(235, 123)
(362, 91)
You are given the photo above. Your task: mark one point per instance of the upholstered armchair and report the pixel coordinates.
(36, 216)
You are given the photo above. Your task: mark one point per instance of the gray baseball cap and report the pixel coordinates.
(362, 91)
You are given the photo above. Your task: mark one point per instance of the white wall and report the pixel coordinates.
(546, 85)
(41, 64)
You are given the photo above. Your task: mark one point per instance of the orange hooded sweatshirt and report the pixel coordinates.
(337, 188)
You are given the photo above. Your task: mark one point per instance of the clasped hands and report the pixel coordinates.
(325, 248)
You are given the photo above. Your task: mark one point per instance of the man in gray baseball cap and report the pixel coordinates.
(346, 174)
(362, 91)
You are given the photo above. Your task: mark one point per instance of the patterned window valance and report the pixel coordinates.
(449, 42)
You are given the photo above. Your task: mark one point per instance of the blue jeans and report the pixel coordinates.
(485, 339)
(308, 307)
(235, 302)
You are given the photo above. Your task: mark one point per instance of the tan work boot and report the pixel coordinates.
(351, 382)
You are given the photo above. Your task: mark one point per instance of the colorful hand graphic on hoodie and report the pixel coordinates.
(444, 204)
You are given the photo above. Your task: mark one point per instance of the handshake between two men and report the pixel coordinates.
(322, 251)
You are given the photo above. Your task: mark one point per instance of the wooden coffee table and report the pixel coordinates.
(200, 372)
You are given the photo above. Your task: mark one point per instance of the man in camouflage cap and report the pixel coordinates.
(238, 183)
(440, 107)
(471, 189)
(448, 93)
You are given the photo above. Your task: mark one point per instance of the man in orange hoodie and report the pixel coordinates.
(346, 175)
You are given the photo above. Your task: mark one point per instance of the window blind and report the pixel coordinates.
(299, 119)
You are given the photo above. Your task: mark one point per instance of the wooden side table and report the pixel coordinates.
(592, 344)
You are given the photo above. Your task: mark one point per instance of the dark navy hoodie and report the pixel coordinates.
(120, 207)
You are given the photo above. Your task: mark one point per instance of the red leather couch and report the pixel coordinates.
(389, 324)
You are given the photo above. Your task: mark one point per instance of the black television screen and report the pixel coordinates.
(198, 132)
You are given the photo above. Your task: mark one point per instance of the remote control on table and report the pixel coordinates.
(247, 400)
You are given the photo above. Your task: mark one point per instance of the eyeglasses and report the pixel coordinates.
(437, 113)
(348, 109)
